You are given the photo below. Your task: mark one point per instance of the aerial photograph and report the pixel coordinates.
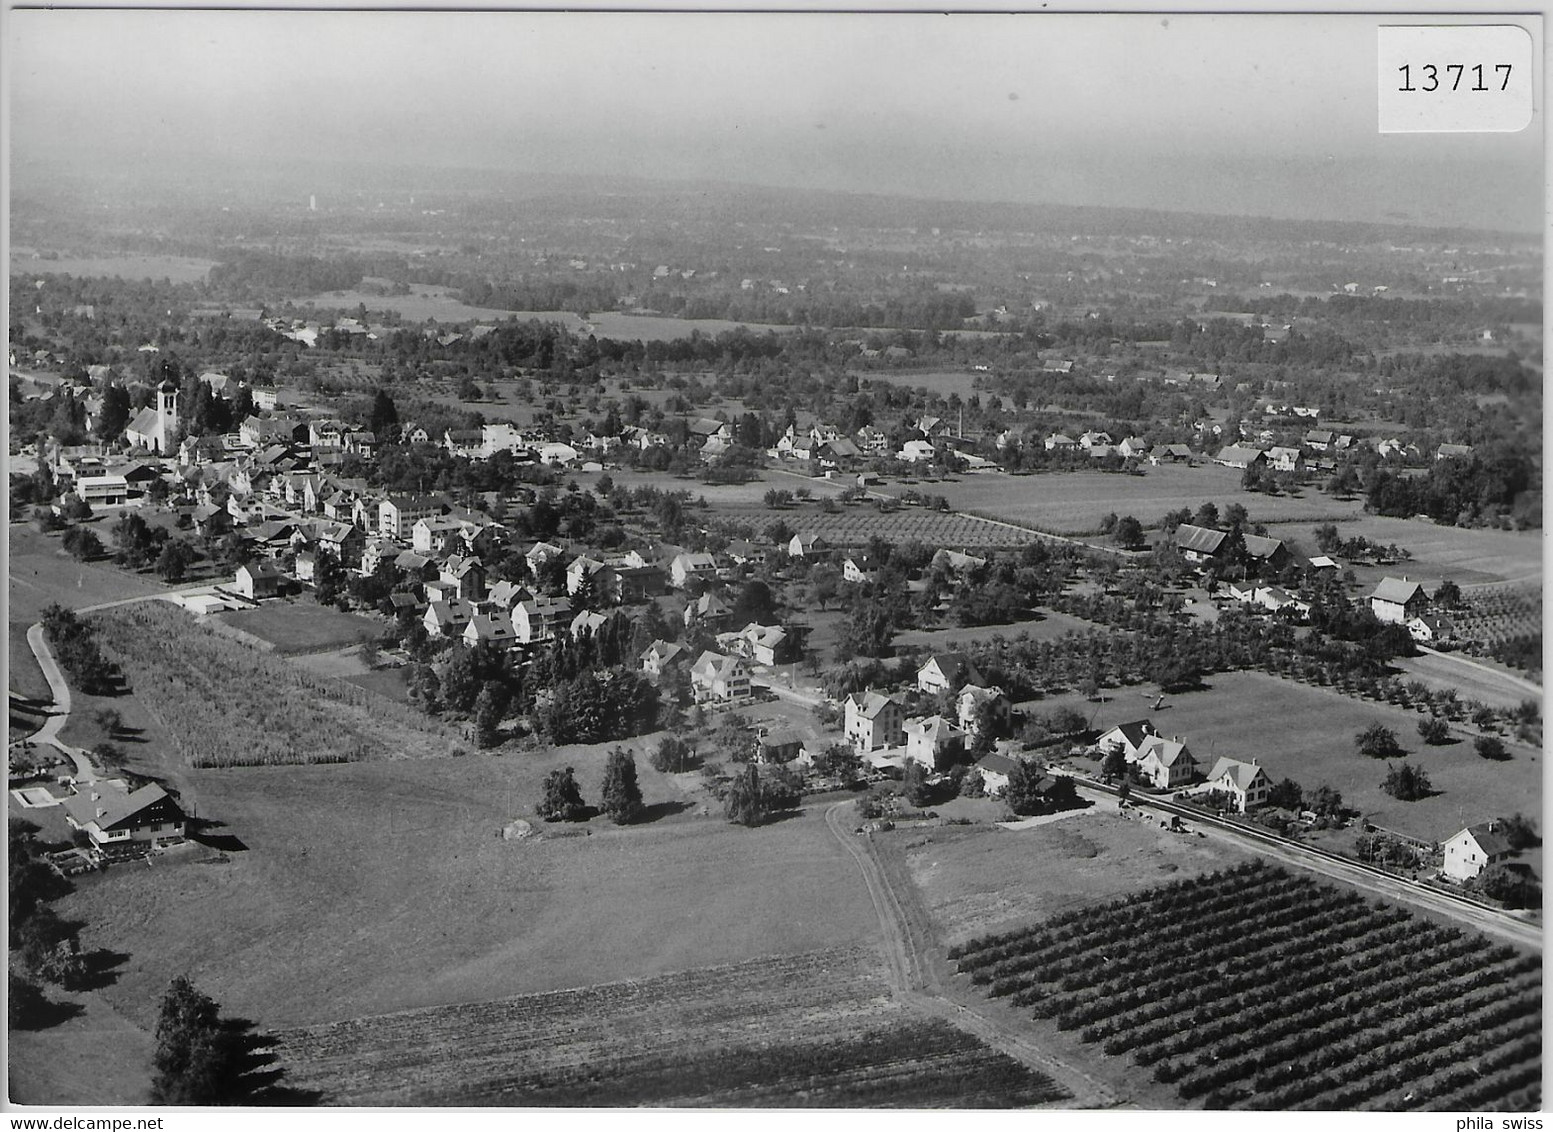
(756, 561)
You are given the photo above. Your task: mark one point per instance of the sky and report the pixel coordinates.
(1258, 114)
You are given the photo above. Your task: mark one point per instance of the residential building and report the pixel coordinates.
(113, 815)
(447, 618)
(1165, 763)
(495, 629)
(874, 721)
(691, 565)
(1246, 784)
(1472, 850)
(1127, 738)
(397, 514)
(933, 741)
(716, 678)
(541, 618)
(257, 580)
(1398, 601)
(662, 655)
(1431, 629)
(946, 672)
(973, 704)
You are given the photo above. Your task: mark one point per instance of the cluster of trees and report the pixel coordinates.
(758, 793)
(75, 645)
(1406, 782)
(250, 274)
(46, 946)
(1497, 482)
(620, 794)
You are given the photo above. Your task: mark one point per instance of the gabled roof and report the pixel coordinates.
(1397, 590)
(952, 665)
(997, 764)
(935, 729)
(1203, 540)
(713, 665)
(1490, 840)
(1260, 546)
(870, 703)
(112, 808)
(1241, 774)
(1133, 733)
(1168, 751)
(665, 651)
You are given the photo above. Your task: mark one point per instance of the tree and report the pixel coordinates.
(1447, 595)
(81, 543)
(1490, 747)
(1378, 742)
(674, 756)
(1128, 533)
(196, 1056)
(1286, 795)
(1023, 793)
(753, 797)
(1325, 801)
(1519, 831)
(383, 415)
(839, 761)
(1434, 731)
(622, 797)
(914, 783)
(1327, 538)
(113, 417)
(1114, 764)
(1514, 888)
(562, 800)
(1406, 782)
(490, 708)
(172, 565)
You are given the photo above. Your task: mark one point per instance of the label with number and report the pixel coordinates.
(1455, 78)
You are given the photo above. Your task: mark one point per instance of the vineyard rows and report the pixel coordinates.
(814, 1030)
(1255, 989)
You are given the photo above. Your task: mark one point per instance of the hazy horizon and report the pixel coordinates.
(1250, 115)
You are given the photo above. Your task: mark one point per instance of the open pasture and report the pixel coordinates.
(1470, 557)
(226, 703)
(1050, 625)
(1307, 733)
(815, 1030)
(1318, 999)
(302, 626)
(1075, 502)
(369, 888)
(42, 573)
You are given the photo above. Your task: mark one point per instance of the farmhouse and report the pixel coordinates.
(256, 580)
(1237, 456)
(1169, 454)
(946, 672)
(1431, 629)
(1285, 459)
(874, 721)
(1398, 601)
(1472, 850)
(1127, 738)
(1166, 763)
(113, 815)
(719, 679)
(1246, 784)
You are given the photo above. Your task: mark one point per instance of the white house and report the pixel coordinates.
(692, 564)
(1398, 600)
(874, 721)
(1246, 784)
(718, 678)
(946, 672)
(1472, 850)
(933, 741)
(1127, 738)
(257, 580)
(1431, 629)
(1166, 763)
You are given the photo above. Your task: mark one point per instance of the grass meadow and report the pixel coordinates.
(302, 626)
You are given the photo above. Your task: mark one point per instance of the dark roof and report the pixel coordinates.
(1203, 540)
(1490, 840)
(1397, 590)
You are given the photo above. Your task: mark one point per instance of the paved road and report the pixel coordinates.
(911, 978)
(1515, 683)
(59, 710)
(1502, 924)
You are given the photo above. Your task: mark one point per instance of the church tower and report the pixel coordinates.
(166, 416)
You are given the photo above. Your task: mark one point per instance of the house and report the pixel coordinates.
(1132, 447)
(1452, 451)
(766, 644)
(541, 618)
(112, 815)
(995, 771)
(256, 580)
(447, 618)
(1323, 567)
(1165, 763)
(1243, 592)
(1280, 600)
(1246, 784)
(436, 534)
(1285, 459)
(779, 746)
(1431, 629)
(495, 629)
(916, 452)
(691, 565)
(946, 672)
(588, 622)
(858, 570)
(1318, 439)
(717, 678)
(464, 575)
(1472, 850)
(974, 703)
(1170, 454)
(307, 566)
(1268, 553)
(662, 655)
(933, 741)
(1398, 601)
(626, 584)
(1200, 544)
(802, 545)
(955, 563)
(742, 552)
(540, 553)
(1095, 439)
(710, 611)
(1059, 440)
(874, 721)
(102, 491)
(1237, 456)
(1127, 738)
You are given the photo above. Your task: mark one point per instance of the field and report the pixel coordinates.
(227, 703)
(179, 269)
(22, 673)
(1254, 989)
(940, 383)
(302, 627)
(1470, 557)
(854, 524)
(41, 572)
(1442, 674)
(429, 302)
(370, 888)
(1307, 734)
(975, 880)
(1049, 626)
(814, 1030)
(1073, 503)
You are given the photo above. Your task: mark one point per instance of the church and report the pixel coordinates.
(156, 428)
